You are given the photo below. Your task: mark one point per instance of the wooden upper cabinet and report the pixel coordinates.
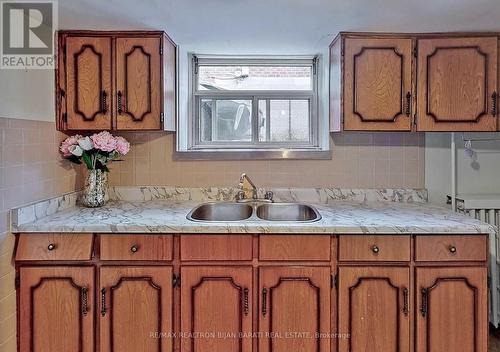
(56, 309)
(216, 309)
(116, 81)
(88, 82)
(377, 84)
(457, 84)
(138, 83)
(374, 309)
(452, 309)
(136, 303)
(294, 309)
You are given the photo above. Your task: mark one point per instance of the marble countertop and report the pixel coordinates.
(338, 217)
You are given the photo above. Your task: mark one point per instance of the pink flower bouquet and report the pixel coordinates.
(95, 151)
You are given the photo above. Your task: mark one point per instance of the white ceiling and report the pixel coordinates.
(276, 26)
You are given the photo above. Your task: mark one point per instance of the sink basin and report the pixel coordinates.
(287, 212)
(221, 212)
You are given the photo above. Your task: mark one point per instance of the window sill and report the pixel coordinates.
(269, 154)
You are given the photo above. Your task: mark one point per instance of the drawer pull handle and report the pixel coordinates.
(453, 249)
(375, 249)
(405, 301)
(103, 301)
(51, 247)
(264, 301)
(245, 301)
(85, 300)
(134, 248)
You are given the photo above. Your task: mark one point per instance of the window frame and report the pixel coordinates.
(194, 136)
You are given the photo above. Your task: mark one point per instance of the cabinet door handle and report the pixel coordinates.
(85, 300)
(119, 102)
(494, 104)
(405, 301)
(104, 102)
(264, 301)
(408, 104)
(245, 301)
(103, 301)
(424, 308)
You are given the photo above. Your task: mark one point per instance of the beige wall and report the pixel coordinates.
(363, 160)
(30, 170)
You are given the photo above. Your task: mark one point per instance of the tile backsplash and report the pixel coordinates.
(359, 160)
(30, 170)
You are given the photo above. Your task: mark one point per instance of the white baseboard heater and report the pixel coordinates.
(487, 208)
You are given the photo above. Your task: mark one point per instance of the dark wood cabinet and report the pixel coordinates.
(294, 309)
(135, 309)
(216, 308)
(56, 309)
(378, 84)
(453, 309)
(457, 84)
(369, 296)
(116, 81)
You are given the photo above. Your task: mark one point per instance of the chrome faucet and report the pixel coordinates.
(241, 196)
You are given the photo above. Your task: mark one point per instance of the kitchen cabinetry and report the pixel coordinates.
(369, 296)
(294, 308)
(247, 292)
(419, 82)
(115, 81)
(135, 308)
(56, 309)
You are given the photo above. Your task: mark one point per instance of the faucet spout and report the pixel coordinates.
(244, 178)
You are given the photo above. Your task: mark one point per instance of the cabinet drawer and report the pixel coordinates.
(374, 248)
(136, 247)
(216, 247)
(451, 248)
(294, 247)
(54, 246)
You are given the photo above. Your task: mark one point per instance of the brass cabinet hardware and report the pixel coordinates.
(104, 102)
(452, 249)
(119, 102)
(405, 301)
(424, 308)
(264, 301)
(51, 246)
(84, 297)
(408, 104)
(103, 301)
(245, 301)
(134, 248)
(494, 104)
(375, 249)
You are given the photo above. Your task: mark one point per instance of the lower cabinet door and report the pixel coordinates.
(453, 310)
(294, 309)
(374, 309)
(56, 312)
(216, 309)
(136, 309)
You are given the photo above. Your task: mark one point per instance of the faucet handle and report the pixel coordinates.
(269, 195)
(240, 195)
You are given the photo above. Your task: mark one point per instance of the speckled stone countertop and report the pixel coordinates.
(167, 214)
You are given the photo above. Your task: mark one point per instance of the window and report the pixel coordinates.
(253, 104)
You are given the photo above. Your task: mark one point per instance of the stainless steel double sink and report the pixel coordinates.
(233, 211)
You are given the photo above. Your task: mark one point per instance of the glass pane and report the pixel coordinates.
(230, 77)
(289, 120)
(225, 120)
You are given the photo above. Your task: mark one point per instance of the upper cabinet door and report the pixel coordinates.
(294, 309)
(57, 309)
(135, 302)
(457, 84)
(377, 84)
(138, 84)
(88, 82)
(216, 309)
(453, 309)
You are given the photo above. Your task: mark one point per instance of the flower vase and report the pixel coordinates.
(96, 185)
